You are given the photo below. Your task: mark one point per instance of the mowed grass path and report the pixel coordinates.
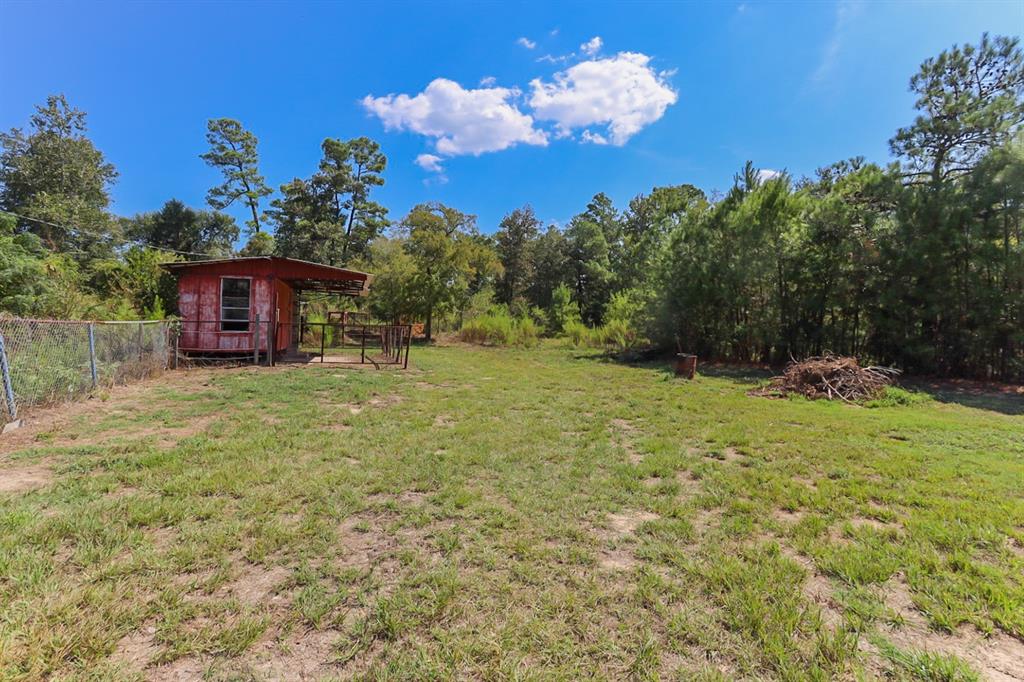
(506, 514)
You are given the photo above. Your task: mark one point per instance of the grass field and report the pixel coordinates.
(505, 514)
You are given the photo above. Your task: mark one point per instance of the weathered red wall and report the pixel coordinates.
(199, 305)
(199, 301)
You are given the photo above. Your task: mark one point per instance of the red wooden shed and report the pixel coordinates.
(220, 301)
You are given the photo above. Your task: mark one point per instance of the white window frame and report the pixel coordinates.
(220, 308)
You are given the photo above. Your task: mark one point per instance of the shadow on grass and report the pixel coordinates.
(1001, 398)
(666, 364)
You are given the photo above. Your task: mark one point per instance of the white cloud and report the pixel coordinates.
(430, 162)
(488, 81)
(621, 92)
(593, 138)
(846, 12)
(461, 121)
(527, 43)
(592, 46)
(766, 174)
(552, 59)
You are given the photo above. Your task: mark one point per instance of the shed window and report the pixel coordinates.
(234, 304)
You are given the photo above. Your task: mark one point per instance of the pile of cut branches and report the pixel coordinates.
(830, 377)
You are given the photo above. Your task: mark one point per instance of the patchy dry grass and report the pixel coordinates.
(508, 514)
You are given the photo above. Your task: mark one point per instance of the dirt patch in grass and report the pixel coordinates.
(23, 478)
(443, 420)
(406, 498)
(42, 424)
(384, 401)
(689, 485)
(300, 655)
(618, 559)
(614, 556)
(806, 482)
(817, 589)
(627, 522)
(412, 497)
(166, 436)
(997, 657)
(427, 386)
(788, 517)
(257, 584)
(122, 492)
(135, 650)
(621, 425)
(362, 542)
(621, 431)
(162, 538)
(180, 670)
(705, 520)
(731, 454)
(727, 454)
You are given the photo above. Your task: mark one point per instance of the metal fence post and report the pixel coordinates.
(408, 342)
(5, 370)
(362, 348)
(256, 342)
(176, 331)
(92, 355)
(141, 353)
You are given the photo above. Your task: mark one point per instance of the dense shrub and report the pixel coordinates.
(563, 311)
(578, 333)
(499, 328)
(894, 396)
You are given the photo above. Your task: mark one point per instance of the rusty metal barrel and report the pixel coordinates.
(686, 365)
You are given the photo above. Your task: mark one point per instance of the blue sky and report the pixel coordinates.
(502, 104)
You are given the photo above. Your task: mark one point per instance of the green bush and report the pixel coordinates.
(624, 318)
(563, 311)
(497, 327)
(893, 396)
(616, 334)
(528, 332)
(578, 333)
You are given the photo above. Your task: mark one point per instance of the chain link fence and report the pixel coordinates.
(43, 362)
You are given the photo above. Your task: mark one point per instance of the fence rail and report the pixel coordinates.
(43, 362)
(355, 343)
(338, 342)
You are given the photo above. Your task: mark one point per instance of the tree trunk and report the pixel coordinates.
(255, 218)
(351, 219)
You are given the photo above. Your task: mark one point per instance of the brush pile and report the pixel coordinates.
(832, 378)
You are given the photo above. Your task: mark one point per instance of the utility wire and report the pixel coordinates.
(150, 246)
(322, 298)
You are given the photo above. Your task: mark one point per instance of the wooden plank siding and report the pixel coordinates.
(273, 295)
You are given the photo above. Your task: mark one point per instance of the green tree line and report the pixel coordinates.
(918, 262)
